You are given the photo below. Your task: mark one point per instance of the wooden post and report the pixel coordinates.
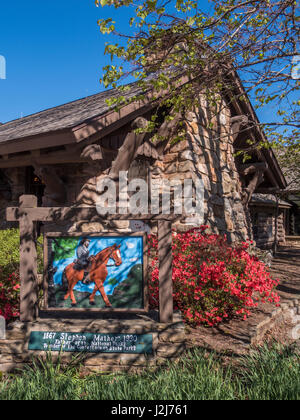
(165, 271)
(275, 245)
(28, 262)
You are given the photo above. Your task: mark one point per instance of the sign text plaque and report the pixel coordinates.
(91, 342)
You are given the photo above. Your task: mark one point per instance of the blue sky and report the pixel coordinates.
(55, 54)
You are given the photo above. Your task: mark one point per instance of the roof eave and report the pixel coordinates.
(269, 155)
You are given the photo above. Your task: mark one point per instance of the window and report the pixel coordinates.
(34, 185)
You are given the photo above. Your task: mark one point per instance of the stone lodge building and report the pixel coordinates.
(60, 153)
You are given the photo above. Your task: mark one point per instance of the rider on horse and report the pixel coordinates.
(83, 259)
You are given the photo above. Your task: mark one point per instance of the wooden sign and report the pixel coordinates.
(100, 271)
(91, 342)
(28, 214)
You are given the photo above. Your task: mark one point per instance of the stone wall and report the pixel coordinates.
(208, 154)
(264, 225)
(287, 312)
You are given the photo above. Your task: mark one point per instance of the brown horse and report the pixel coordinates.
(98, 273)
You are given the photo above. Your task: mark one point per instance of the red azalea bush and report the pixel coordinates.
(9, 272)
(9, 296)
(212, 281)
(9, 277)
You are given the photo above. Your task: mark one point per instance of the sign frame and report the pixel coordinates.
(106, 234)
(28, 215)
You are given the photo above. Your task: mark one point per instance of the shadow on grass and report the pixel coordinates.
(268, 373)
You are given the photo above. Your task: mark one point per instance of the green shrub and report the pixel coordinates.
(9, 271)
(9, 251)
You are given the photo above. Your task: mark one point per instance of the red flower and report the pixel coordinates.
(9, 296)
(212, 280)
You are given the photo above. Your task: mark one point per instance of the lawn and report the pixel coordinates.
(267, 374)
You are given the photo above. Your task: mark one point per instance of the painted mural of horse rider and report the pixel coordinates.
(83, 259)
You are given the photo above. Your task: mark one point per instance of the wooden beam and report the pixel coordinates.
(167, 129)
(164, 133)
(272, 178)
(253, 184)
(75, 214)
(97, 136)
(250, 168)
(46, 159)
(106, 124)
(54, 139)
(92, 152)
(28, 262)
(237, 123)
(112, 120)
(128, 150)
(165, 271)
(36, 153)
(271, 190)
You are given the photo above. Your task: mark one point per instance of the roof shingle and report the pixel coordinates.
(61, 117)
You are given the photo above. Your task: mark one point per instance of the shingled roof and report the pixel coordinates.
(90, 119)
(267, 200)
(62, 117)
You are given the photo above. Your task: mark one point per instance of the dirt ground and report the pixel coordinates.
(286, 267)
(234, 337)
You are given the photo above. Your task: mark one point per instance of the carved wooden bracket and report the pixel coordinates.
(257, 179)
(147, 150)
(142, 143)
(165, 131)
(92, 152)
(250, 168)
(129, 148)
(237, 123)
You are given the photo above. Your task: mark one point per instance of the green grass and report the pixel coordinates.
(272, 374)
(268, 374)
